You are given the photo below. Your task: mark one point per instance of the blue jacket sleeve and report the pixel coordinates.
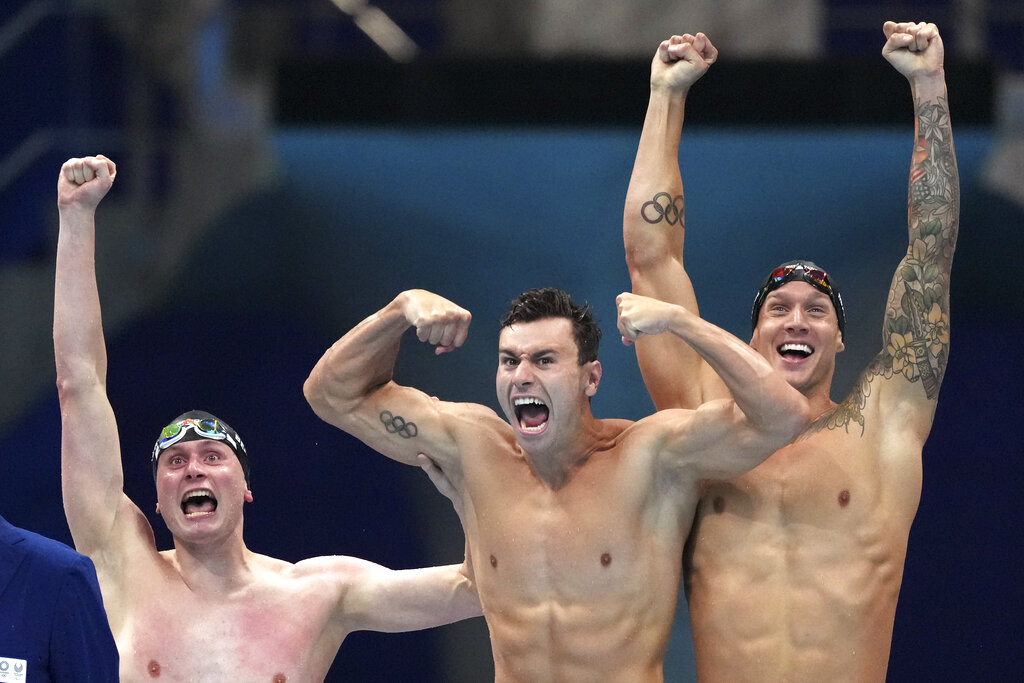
(82, 648)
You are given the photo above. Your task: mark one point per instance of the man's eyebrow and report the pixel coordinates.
(532, 354)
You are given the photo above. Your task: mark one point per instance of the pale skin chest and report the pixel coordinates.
(277, 630)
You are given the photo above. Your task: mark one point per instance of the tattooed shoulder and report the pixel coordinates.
(851, 411)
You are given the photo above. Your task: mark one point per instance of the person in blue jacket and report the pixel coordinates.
(52, 623)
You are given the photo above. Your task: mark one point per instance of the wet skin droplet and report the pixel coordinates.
(844, 498)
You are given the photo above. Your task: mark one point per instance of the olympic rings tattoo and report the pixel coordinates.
(395, 424)
(672, 211)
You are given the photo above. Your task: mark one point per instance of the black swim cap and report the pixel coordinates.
(199, 424)
(805, 271)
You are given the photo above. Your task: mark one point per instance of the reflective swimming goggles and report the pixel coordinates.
(806, 272)
(208, 429)
(813, 276)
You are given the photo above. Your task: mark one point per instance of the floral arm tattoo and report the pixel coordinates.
(915, 333)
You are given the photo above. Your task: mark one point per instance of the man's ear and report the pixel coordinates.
(593, 377)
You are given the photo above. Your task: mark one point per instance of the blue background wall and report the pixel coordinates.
(479, 215)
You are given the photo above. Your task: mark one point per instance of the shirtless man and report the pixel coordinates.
(209, 609)
(578, 523)
(816, 536)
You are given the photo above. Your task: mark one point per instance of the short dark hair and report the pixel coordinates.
(550, 302)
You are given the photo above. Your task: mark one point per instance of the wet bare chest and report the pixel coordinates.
(604, 536)
(827, 496)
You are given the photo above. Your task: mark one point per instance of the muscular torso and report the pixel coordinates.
(276, 628)
(578, 582)
(794, 568)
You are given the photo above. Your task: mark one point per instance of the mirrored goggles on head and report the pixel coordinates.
(208, 429)
(809, 273)
(813, 276)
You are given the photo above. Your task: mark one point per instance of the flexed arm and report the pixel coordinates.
(915, 333)
(766, 412)
(352, 385)
(653, 223)
(91, 473)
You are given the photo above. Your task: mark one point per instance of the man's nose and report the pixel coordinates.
(194, 468)
(796, 320)
(523, 374)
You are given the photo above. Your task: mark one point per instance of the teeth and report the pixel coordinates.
(198, 493)
(529, 401)
(802, 348)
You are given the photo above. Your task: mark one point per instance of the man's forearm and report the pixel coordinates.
(79, 349)
(934, 188)
(654, 210)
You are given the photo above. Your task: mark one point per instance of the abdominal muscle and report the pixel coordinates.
(794, 570)
(577, 597)
(600, 641)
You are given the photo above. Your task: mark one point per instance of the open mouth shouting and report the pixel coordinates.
(794, 352)
(198, 503)
(532, 415)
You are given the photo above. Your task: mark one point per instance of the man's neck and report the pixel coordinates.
(556, 464)
(214, 569)
(819, 399)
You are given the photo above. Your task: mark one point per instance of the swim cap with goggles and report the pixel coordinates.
(805, 271)
(198, 424)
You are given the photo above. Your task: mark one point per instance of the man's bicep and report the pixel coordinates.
(673, 372)
(717, 441)
(376, 598)
(92, 480)
(402, 422)
(915, 332)
(884, 399)
(905, 375)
